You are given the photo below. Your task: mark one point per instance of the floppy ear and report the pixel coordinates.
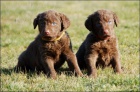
(116, 19)
(35, 23)
(65, 22)
(89, 24)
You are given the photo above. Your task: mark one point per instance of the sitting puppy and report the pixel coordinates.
(51, 47)
(100, 48)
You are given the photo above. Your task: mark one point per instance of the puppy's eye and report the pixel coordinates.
(42, 22)
(109, 22)
(98, 25)
(53, 23)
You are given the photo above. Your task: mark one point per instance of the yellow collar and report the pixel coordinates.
(56, 39)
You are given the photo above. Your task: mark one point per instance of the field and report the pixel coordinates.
(17, 32)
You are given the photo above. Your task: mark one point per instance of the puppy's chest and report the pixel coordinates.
(105, 50)
(106, 47)
(52, 49)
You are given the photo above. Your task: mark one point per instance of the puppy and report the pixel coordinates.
(51, 47)
(100, 47)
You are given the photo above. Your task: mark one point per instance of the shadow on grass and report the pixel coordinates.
(29, 74)
(6, 71)
(65, 71)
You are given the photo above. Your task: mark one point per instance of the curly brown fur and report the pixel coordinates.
(51, 47)
(100, 48)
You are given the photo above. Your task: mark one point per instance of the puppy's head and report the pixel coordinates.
(51, 24)
(102, 23)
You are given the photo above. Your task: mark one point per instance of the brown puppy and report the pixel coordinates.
(100, 48)
(51, 47)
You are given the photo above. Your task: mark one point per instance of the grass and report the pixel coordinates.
(17, 32)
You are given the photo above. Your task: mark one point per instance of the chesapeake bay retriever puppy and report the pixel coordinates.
(51, 47)
(100, 47)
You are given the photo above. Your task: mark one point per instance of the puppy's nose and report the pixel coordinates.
(106, 31)
(47, 32)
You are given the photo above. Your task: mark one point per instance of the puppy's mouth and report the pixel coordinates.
(104, 37)
(47, 38)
